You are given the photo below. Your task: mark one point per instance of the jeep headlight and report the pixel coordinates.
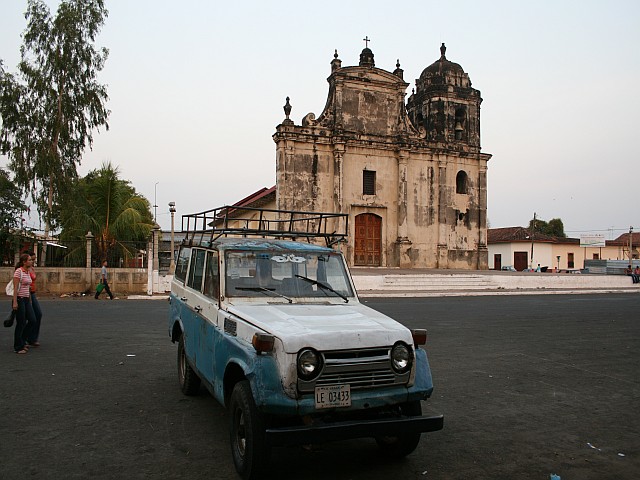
(401, 358)
(309, 364)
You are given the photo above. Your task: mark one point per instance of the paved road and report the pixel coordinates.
(529, 386)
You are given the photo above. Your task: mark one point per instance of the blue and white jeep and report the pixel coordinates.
(275, 331)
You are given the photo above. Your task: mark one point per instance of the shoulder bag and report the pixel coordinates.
(9, 288)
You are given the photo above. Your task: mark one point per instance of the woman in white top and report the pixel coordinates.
(25, 317)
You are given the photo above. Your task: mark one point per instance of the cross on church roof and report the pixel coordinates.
(366, 41)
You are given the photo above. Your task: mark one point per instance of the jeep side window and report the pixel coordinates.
(197, 269)
(212, 277)
(334, 270)
(183, 263)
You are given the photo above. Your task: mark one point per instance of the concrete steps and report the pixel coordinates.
(408, 284)
(437, 282)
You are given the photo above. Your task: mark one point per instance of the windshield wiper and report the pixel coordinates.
(324, 286)
(265, 289)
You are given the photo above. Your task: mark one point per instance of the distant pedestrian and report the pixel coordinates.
(34, 332)
(25, 318)
(104, 282)
(635, 276)
(538, 269)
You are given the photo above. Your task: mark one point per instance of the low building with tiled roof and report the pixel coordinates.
(515, 234)
(516, 247)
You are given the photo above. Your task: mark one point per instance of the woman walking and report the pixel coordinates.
(34, 332)
(25, 318)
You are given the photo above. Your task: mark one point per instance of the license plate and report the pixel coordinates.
(333, 396)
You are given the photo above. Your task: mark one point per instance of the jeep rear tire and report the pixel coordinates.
(189, 380)
(402, 445)
(247, 433)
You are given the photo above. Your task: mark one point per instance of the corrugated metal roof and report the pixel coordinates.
(257, 199)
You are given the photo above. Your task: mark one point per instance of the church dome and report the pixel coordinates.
(442, 68)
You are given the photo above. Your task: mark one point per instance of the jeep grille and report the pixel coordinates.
(366, 368)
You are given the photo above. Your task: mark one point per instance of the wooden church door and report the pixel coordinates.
(368, 244)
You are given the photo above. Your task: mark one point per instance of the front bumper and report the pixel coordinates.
(296, 435)
(270, 399)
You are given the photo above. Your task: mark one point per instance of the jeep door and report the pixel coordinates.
(193, 304)
(202, 294)
(178, 287)
(208, 317)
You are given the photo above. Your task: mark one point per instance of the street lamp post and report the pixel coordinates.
(155, 203)
(172, 265)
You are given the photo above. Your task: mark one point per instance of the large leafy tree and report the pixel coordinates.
(109, 208)
(52, 105)
(11, 209)
(553, 227)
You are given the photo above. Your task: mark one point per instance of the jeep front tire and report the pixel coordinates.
(402, 445)
(247, 433)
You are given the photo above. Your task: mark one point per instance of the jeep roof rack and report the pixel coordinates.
(264, 222)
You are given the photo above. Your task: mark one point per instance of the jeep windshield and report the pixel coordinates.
(286, 274)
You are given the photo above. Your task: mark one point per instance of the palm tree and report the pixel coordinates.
(110, 209)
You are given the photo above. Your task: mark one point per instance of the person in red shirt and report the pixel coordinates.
(635, 276)
(34, 331)
(25, 318)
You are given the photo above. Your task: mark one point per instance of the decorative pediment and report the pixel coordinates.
(366, 101)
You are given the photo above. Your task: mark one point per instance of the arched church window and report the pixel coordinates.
(461, 182)
(461, 121)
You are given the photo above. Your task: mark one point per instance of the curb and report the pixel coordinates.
(148, 297)
(484, 293)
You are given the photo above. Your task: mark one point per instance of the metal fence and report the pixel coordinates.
(122, 255)
(610, 267)
(74, 254)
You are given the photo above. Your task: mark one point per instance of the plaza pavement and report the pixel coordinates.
(396, 282)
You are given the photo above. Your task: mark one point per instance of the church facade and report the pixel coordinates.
(411, 176)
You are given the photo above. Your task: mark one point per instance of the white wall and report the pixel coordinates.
(543, 255)
(504, 249)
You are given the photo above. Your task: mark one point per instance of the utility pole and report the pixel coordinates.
(630, 245)
(172, 265)
(533, 229)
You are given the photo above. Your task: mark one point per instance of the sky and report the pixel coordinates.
(196, 90)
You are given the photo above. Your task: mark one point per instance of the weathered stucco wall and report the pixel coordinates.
(122, 281)
(435, 214)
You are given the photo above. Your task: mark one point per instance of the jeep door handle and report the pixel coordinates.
(198, 308)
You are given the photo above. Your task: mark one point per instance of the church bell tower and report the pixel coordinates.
(445, 108)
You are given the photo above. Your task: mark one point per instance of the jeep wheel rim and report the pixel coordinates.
(182, 367)
(241, 438)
